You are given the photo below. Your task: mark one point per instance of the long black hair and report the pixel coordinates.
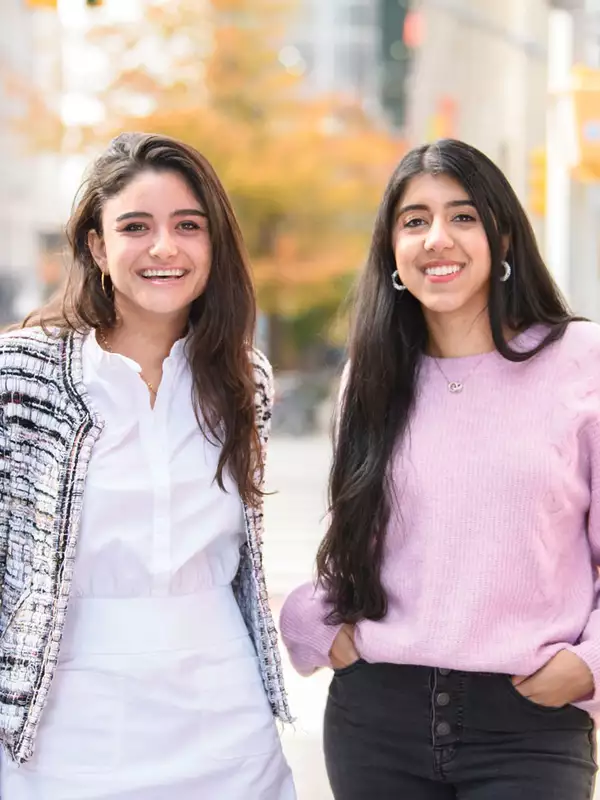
(388, 338)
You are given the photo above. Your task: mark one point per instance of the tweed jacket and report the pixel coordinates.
(48, 428)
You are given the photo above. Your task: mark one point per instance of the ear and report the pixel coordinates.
(505, 245)
(97, 249)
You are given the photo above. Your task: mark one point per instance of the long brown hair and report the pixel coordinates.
(222, 319)
(387, 342)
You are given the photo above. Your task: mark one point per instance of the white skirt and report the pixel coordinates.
(154, 699)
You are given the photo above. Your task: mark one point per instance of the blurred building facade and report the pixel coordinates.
(339, 44)
(480, 74)
(355, 47)
(52, 201)
(32, 208)
(18, 245)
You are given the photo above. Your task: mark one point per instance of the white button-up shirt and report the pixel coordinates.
(157, 694)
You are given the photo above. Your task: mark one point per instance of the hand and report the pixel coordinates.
(565, 679)
(343, 651)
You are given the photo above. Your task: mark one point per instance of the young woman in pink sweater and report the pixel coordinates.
(457, 589)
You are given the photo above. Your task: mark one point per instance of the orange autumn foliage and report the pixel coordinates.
(305, 173)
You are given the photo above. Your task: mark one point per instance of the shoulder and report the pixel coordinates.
(263, 373)
(581, 340)
(29, 343)
(576, 355)
(579, 346)
(575, 361)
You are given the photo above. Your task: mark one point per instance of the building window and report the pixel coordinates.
(359, 13)
(355, 64)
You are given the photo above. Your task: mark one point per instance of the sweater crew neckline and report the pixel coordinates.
(522, 342)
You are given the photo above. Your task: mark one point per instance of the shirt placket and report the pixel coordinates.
(154, 438)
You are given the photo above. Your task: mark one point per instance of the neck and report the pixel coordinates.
(147, 341)
(455, 336)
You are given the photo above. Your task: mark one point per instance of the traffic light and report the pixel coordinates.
(537, 181)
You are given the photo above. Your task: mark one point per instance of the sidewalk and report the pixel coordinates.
(302, 743)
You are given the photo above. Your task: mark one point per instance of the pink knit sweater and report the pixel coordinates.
(491, 562)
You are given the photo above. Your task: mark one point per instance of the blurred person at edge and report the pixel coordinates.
(134, 422)
(457, 592)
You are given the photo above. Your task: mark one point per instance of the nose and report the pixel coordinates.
(164, 245)
(438, 237)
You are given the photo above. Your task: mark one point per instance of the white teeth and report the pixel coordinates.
(163, 273)
(449, 270)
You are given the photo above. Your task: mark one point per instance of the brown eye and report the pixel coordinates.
(189, 226)
(415, 222)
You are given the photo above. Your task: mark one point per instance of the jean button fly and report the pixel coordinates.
(443, 699)
(443, 729)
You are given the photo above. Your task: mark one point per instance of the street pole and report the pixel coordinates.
(590, 192)
(559, 142)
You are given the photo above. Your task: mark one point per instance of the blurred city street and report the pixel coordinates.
(303, 108)
(298, 470)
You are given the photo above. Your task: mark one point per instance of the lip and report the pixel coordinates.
(441, 263)
(442, 278)
(163, 281)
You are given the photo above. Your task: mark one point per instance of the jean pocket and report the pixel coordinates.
(339, 673)
(527, 703)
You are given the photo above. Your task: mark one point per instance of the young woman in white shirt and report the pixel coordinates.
(144, 411)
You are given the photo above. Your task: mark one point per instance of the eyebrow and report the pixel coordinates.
(423, 207)
(181, 212)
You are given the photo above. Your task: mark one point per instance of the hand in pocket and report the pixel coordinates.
(565, 679)
(343, 651)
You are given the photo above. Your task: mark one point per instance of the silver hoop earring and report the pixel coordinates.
(398, 286)
(507, 271)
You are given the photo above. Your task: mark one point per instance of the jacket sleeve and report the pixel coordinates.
(4, 507)
(588, 646)
(263, 379)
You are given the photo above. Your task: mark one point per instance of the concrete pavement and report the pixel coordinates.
(295, 521)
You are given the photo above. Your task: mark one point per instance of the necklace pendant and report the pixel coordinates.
(455, 387)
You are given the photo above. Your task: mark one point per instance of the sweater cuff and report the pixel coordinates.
(589, 653)
(314, 653)
(306, 635)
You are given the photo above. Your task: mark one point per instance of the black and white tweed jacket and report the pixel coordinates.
(47, 432)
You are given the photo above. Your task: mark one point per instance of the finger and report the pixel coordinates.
(349, 631)
(348, 643)
(347, 650)
(343, 647)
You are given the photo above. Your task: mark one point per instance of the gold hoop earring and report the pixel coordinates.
(103, 283)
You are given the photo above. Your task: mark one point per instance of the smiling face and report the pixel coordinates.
(441, 248)
(155, 246)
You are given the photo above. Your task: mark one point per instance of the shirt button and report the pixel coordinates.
(443, 729)
(443, 699)
(444, 671)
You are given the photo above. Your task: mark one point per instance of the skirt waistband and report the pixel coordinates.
(152, 624)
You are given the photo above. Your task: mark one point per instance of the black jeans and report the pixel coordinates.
(414, 733)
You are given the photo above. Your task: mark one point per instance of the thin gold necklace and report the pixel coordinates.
(107, 347)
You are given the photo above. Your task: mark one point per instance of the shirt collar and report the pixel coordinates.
(99, 363)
